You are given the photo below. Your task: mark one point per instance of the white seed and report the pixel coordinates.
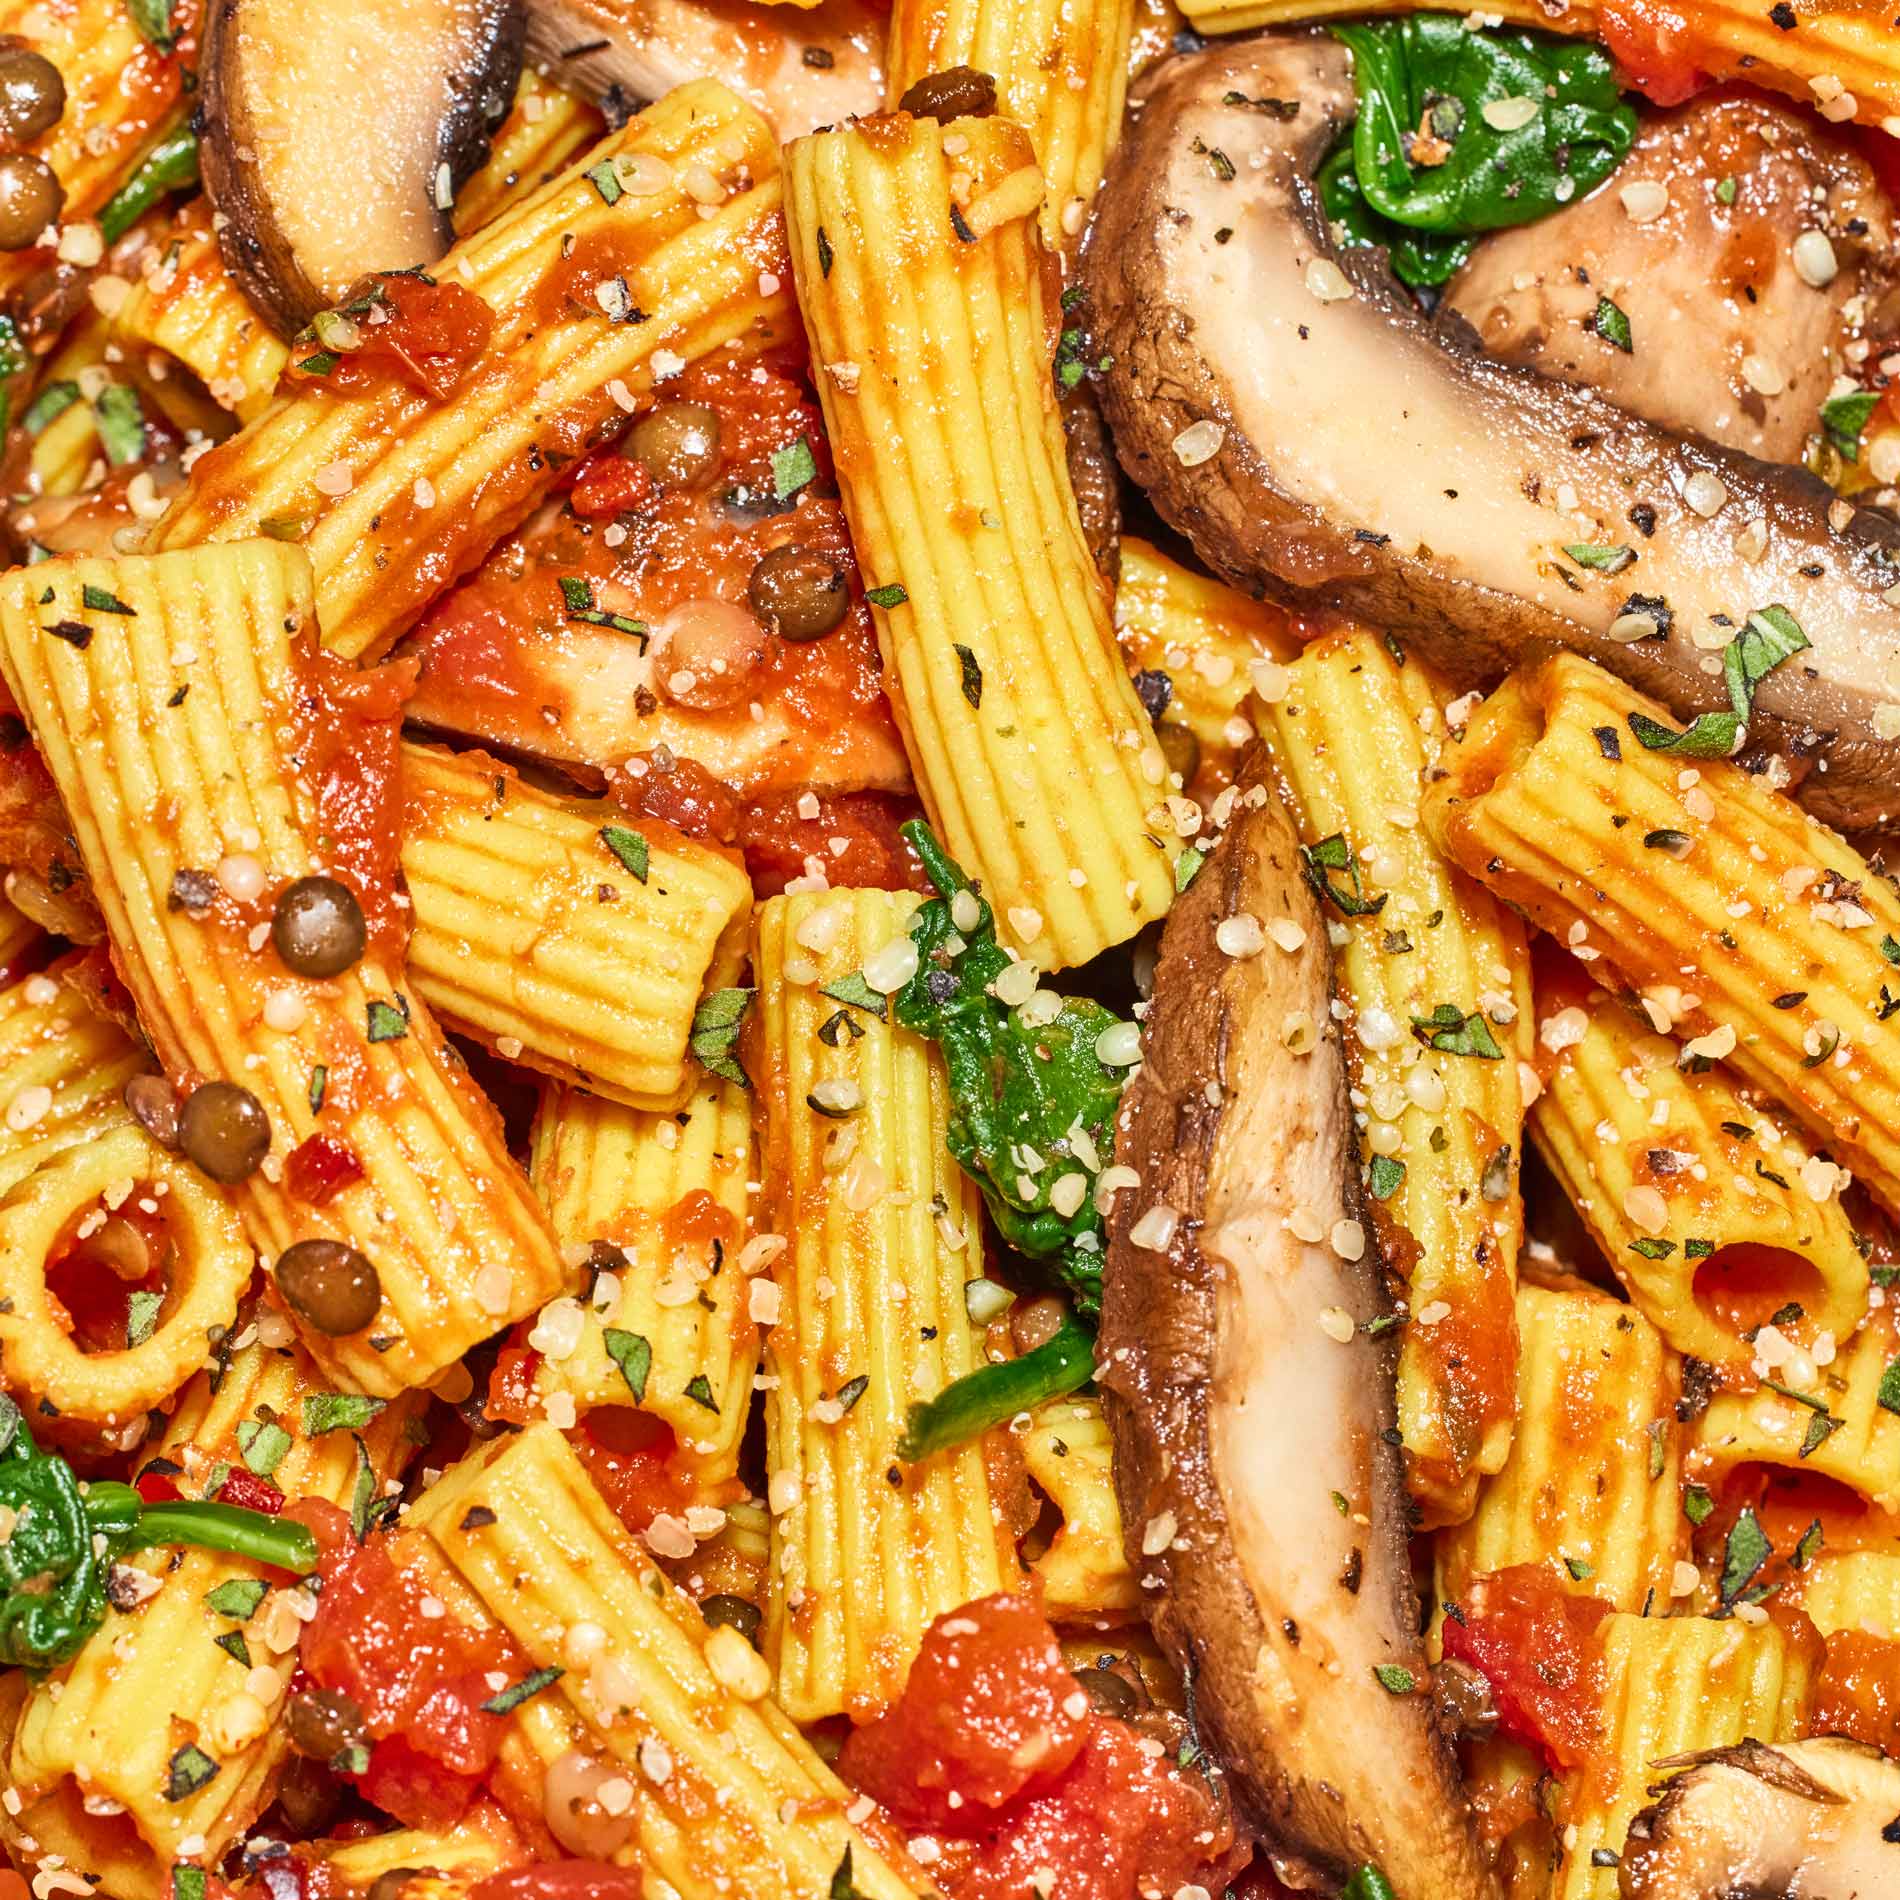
(1705, 493)
(1425, 1087)
(1814, 260)
(1644, 201)
(1349, 1240)
(1762, 376)
(1327, 282)
(1199, 442)
(1510, 115)
(1684, 1580)
(1630, 627)
(1155, 1229)
(241, 877)
(1157, 1534)
(1336, 1323)
(1239, 935)
(1119, 1046)
(1378, 1030)
(1287, 934)
(1647, 1208)
(889, 967)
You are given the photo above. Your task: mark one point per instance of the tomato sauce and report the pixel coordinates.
(1657, 47)
(1858, 1691)
(318, 1170)
(504, 657)
(406, 327)
(418, 1673)
(1536, 1643)
(633, 1459)
(994, 1748)
(561, 1880)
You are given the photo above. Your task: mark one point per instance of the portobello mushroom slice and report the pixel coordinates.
(1255, 1460)
(1815, 1820)
(1745, 243)
(333, 144)
(803, 67)
(1288, 408)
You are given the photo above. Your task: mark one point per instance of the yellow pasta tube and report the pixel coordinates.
(546, 128)
(63, 1071)
(1209, 640)
(727, 1794)
(881, 1233)
(1083, 1574)
(453, 1859)
(160, 721)
(565, 935)
(1673, 1686)
(929, 315)
(63, 437)
(1061, 72)
(1436, 979)
(1855, 1590)
(1834, 1416)
(185, 304)
(656, 1205)
(1591, 1485)
(122, 94)
(1841, 61)
(1684, 1182)
(599, 290)
(1658, 869)
(207, 1263)
(163, 1683)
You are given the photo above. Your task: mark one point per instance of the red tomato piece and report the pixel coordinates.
(511, 1385)
(319, 1169)
(629, 1456)
(248, 1490)
(1858, 1693)
(991, 1711)
(1536, 1644)
(417, 1790)
(608, 484)
(561, 1880)
(1124, 1820)
(424, 334)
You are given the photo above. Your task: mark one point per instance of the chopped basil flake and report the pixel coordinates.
(1605, 560)
(387, 1023)
(1844, 420)
(238, 1599)
(1456, 1034)
(263, 1443)
(141, 1315)
(319, 1081)
(1385, 1177)
(121, 424)
(1612, 324)
(52, 402)
(972, 675)
(1185, 867)
(1770, 636)
(1809, 1544)
(699, 1390)
(1580, 1571)
(632, 1353)
(516, 1693)
(100, 600)
(824, 253)
(606, 181)
(842, 1886)
(792, 468)
(337, 1412)
(1652, 1248)
(887, 597)
(628, 846)
(853, 1390)
(1395, 1678)
(1747, 1551)
(1319, 861)
(189, 1770)
(853, 989)
(1697, 1505)
(715, 1035)
(1887, 1397)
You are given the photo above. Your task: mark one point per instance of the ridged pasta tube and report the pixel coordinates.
(122, 93)
(1839, 60)
(208, 1268)
(186, 304)
(1207, 638)
(658, 1203)
(165, 1678)
(1673, 1686)
(570, 937)
(547, 127)
(882, 1231)
(1679, 1176)
(63, 1071)
(1435, 975)
(922, 286)
(1061, 72)
(442, 1863)
(1083, 1574)
(1591, 1487)
(1855, 1590)
(1765, 937)
(1835, 1419)
(728, 1796)
(394, 493)
(170, 724)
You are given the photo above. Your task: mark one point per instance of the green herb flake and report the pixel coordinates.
(1185, 867)
(1888, 1395)
(842, 1885)
(853, 989)
(633, 1354)
(629, 847)
(141, 1316)
(1769, 636)
(51, 403)
(1697, 1504)
(1604, 560)
(1810, 1543)
(1821, 1427)
(263, 1442)
(153, 18)
(188, 1883)
(189, 1770)
(1658, 1432)
(1450, 1031)
(605, 180)
(887, 597)
(337, 1412)
(1395, 1678)
(1368, 1884)
(1725, 189)
(824, 253)
(101, 600)
(1612, 324)
(506, 1701)
(1319, 862)
(972, 675)
(1844, 421)
(319, 1082)
(792, 468)
(238, 1599)
(715, 1034)
(121, 424)
(1580, 1570)
(1748, 1549)
(848, 1394)
(387, 1023)
(1652, 1248)
(1385, 1177)
(699, 1390)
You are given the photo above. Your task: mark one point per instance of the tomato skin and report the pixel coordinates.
(561, 1880)
(246, 1488)
(418, 1791)
(984, 1718)
(1536, 1644)
(319, 1169)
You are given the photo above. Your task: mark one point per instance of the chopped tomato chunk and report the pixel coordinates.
(1858, 1692)
(419, 1679)
(248, 1490)
(1536, 1644)
(991, 1711)
(319, 1169)
(423, 333)
(630, 1457)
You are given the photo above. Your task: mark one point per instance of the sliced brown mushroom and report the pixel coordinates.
(1252, 1413)
(1813, 1820)
(803, 67)
(333, 143)
(1289, 409)
(1740, 237)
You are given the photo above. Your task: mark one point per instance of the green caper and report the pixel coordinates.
(322, 1723)
(958, 92)
(32, 93)
(799, 593)
(677, 443)
(31, 198)
(734, 1613)
(1108, 1693)
(1180, 748)
(318, 927)
(329, 1286)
